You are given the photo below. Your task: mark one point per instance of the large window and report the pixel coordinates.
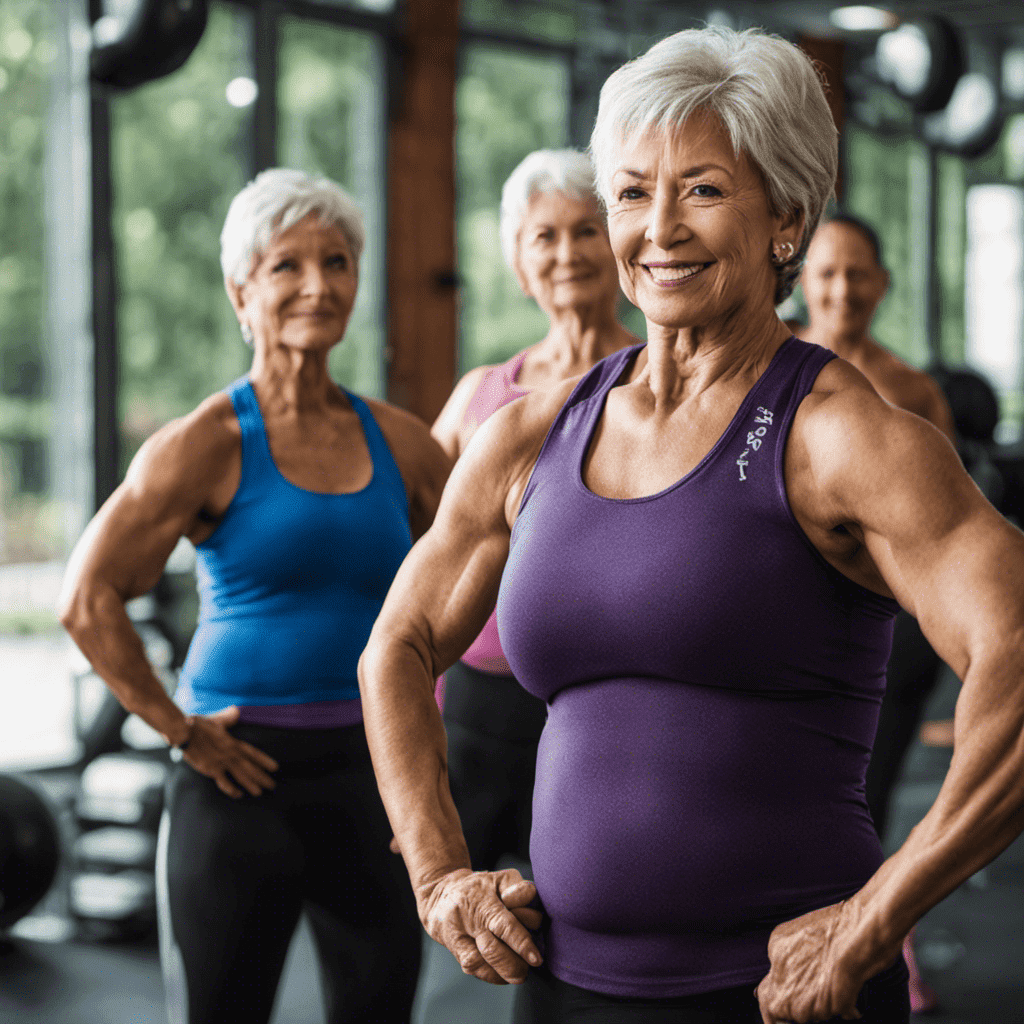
(507, 105)
(330, 121)
(180, 151)
(37, 521)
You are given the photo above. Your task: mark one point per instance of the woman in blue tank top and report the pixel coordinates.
(302, 499)
(696, 553)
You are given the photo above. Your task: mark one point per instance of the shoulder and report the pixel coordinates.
(852, 442)
(400, 427)
(420, 459)
(914, 390)
(192, 448)
(502, 453)
(448, 427)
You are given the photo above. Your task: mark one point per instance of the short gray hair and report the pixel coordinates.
(767, 94)
(543, 171)
(271, 203)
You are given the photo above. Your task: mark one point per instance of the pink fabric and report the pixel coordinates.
(497, 389)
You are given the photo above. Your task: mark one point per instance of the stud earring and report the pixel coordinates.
(782, 253)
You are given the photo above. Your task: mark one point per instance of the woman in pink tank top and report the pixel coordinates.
(555, 241)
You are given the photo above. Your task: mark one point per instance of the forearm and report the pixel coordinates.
(409, 749)
(98, 623)
(979, 810)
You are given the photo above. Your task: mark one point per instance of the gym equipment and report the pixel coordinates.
(140, 40)
(30, 849)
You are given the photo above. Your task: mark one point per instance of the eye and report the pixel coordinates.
(631, 193)
(587, 231)
(338, 262)
(285, 264)
(706, 191)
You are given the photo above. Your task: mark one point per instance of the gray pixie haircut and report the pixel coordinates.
(544, 170)
(271, 203)
(766, 93)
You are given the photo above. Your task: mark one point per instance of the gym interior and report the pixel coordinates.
(128, 125)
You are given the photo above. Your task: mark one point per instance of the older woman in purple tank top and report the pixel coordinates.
(696, 554)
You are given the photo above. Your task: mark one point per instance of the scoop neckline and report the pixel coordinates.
(711, 455)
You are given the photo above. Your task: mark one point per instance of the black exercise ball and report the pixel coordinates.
(29, 849)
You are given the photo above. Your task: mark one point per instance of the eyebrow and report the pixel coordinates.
(690, 172)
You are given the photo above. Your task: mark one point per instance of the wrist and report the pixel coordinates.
(181, 736)
(870, 942)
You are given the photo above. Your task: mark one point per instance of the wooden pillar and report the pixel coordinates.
(421, 281)
(828, 55)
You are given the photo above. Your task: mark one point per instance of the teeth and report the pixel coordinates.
(674, 273)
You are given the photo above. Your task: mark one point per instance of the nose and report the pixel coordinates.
(565, 251)
(841, 287)
(314, 281)
(664, 227)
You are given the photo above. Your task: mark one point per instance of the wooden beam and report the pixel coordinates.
(421, 281)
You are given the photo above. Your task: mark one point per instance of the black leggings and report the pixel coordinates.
(493, 728)
(910, 679)
(543, 999)
(235, 875)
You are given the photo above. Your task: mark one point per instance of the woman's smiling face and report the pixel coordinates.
(691, 226)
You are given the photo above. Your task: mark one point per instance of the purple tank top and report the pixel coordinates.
(713, 688)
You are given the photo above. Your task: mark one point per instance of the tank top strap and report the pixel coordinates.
(790, 378)
(570, 430)
(510, 369)
(257, 461)
(385, 469)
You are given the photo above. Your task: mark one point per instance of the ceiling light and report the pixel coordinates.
(240, 92)
(862, 19)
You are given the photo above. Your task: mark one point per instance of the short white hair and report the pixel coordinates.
(767, 94)
(543, 171)
(271, 203)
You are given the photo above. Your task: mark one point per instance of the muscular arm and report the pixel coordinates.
(958, 566)
(175, 476)
(438, 603)
(922, 530)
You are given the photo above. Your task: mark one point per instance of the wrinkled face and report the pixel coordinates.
(843, 283)
(691, 227)
(564, 259)
(302, 290)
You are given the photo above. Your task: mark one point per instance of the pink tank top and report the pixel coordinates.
(497, 388)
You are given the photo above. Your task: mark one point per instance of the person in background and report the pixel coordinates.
(696, 552)
(302, 499)
(554, 239)
(844, 279)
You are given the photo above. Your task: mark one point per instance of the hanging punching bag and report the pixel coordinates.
(136, 41)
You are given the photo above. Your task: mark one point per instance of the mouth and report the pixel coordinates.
(667, 275)
(574, 279)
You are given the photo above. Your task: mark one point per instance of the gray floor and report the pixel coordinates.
(971, 949)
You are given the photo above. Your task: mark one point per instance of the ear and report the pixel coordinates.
(235, 295)
(790, 228)
(524, 286)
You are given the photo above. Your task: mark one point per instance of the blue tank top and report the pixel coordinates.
(291, 580)
(713, 688)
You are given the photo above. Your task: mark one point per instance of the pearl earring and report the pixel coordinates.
(247, 334)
